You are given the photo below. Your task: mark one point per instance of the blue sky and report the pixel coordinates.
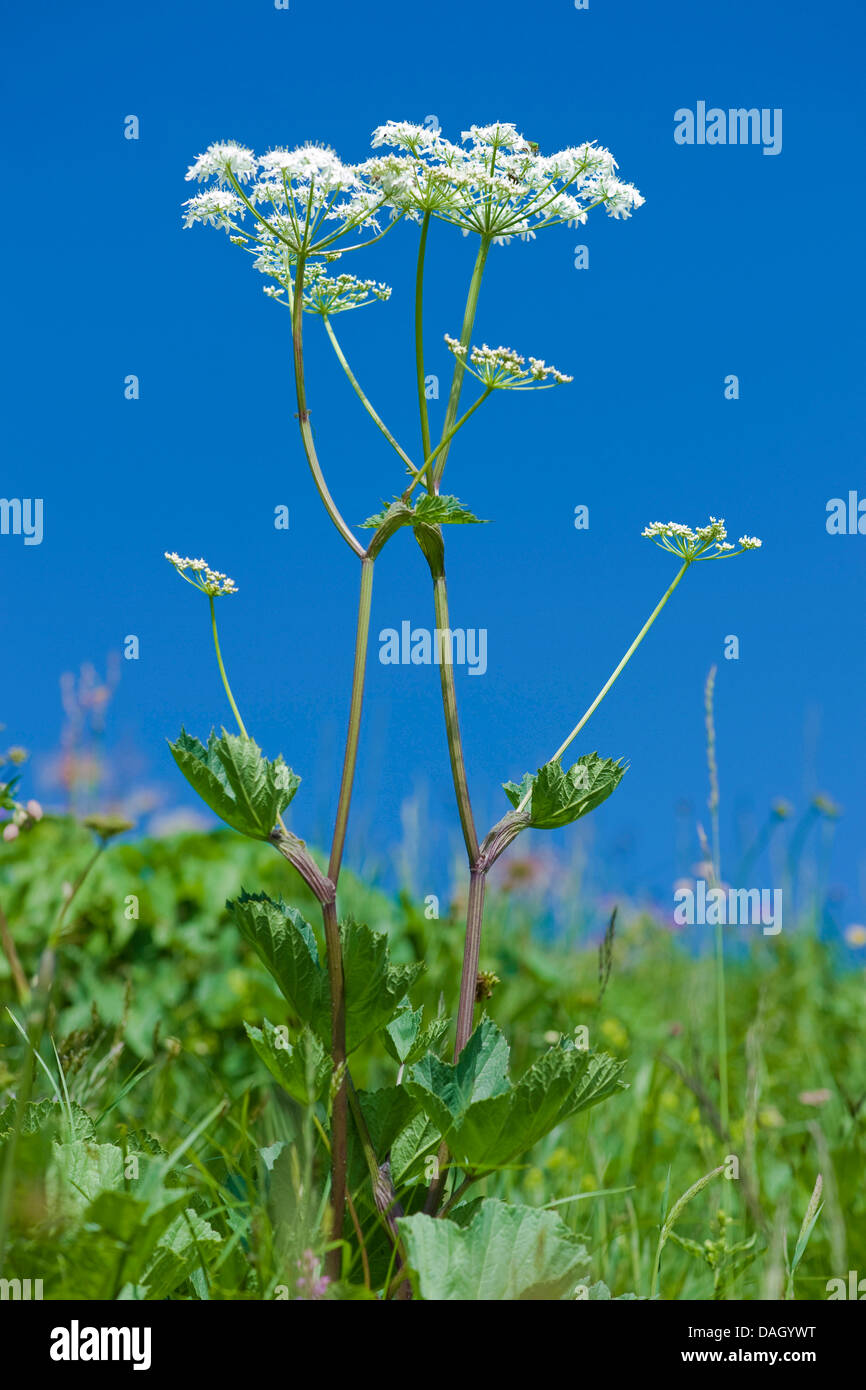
(739, 263)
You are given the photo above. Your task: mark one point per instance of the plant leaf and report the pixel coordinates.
(431, 509)
(486, 1120)
(387, 1113)
(405, 1038)
(444, 511)
(302, 1069)
(504, 1253)
(287, 946)
(559, 797)
(374, 986)
(241, 786)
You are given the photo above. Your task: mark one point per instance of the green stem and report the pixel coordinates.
(459, 368)
(452, 724)
(351, 754)
(471, 956)
(304, 416)
(419, 346)
(374, 416)
(418, 473)
(225, 679)
(620, 668)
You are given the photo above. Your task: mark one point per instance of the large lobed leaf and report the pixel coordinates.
(241, 786)
(503, 1252)
(374, 986)
(287, 947)
(559, 797)
(486, 1120)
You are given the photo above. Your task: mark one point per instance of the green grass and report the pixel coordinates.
(214, 1181)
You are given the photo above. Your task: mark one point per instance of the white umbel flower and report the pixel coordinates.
(497, 183)
(210, 581)
(703, 543)
(221, 159)
(300, 201)
(502, 369)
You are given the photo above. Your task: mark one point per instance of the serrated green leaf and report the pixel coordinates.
(287, 946)
(559, 797)
(508, 1253)
(431, 510)
(407, 1040)
(187, 1245)
(435, 510)
(302, 1069)
(480, 1072)
(374, 986)
(489, 1122)
(411, 1146)
(72, 1122)
(241, 786)
(402, 1032)
(387, 1112)
(78, 1172)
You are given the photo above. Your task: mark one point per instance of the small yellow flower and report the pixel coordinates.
(855, 935)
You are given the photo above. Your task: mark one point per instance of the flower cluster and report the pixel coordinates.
(285, 202)
(502, 369)
(334, 294)
(496, 183)
(211, 582)
(704, 543)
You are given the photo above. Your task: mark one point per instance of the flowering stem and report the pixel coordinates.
(351, 754)
(304, 416)
(620, 668)
(225, 679)
(419, 348)
(452, 724)
(459, 368)
(418, 473)
(377, 420)
(471, 956)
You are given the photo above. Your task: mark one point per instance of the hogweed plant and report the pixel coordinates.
(425, 1140)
